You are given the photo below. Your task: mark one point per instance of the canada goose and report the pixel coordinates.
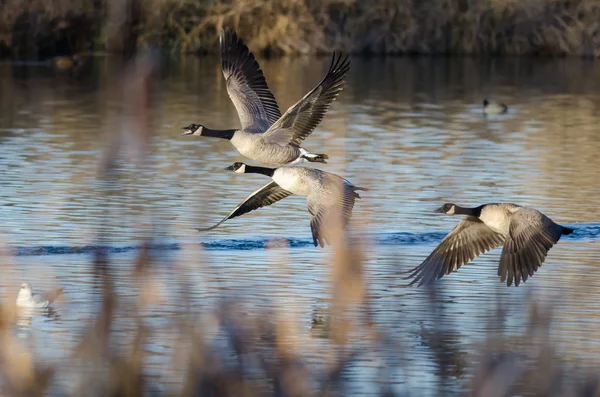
(494, 107)
(526, 233)
(328, 195)
(26, 298)
(266, 136)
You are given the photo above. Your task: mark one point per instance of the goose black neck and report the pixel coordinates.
(259, 170)
(224, 134)
(476, 211)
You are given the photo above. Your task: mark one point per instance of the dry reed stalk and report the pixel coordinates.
(114, 372)
(349, 305)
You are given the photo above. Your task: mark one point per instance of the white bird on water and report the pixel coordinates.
(27, 298)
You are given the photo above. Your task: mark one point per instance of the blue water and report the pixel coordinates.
(411, 131)
(583, 232)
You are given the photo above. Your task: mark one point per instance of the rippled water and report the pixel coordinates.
(412, 131)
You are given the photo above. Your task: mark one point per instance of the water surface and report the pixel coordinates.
(410, 130)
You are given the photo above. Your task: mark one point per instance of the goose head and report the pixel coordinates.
(448, 208)
(193, 129)
(238, 167)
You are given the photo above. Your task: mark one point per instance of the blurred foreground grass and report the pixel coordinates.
(40, 29)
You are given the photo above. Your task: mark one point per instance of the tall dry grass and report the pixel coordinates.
(40, 28)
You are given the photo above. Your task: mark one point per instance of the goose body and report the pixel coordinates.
(265, 135)
(526, 234)
(255, 147)
(494, 107)
(27, 298)
(330, 197)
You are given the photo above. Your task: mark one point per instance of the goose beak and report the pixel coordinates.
(230, 168)
(439, 210)
(186, 131)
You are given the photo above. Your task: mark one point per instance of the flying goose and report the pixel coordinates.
(328, 196)
(266, 136)
(26, 298)
(494, 107)
(526, 233)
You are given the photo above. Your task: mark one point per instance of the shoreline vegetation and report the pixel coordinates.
(43, 29)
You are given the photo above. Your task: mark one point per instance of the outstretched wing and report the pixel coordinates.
(301, 119)
(330, 213)
(266, 195)
(255, 104)
(469, 239)
(531, 234)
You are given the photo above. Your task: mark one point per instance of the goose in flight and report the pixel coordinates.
(265, 135)
(526, 233)
(330, 197)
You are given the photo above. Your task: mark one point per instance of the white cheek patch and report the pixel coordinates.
(451, 212)
(241, 170)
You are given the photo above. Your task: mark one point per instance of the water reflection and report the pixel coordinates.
(25, 317)
(411, 130)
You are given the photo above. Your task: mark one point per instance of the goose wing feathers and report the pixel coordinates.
(469, 239)
(265, 196)
(246, 85)
(301, 119)
(530, 237)
(329, 213)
